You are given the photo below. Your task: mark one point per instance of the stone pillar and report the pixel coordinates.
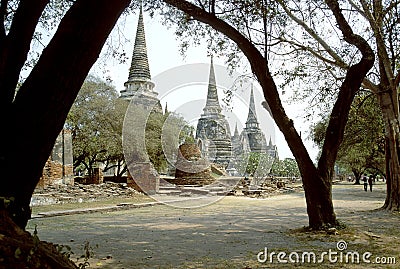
(68, 161)
(59, 167)
(97, 176)
(144, 178)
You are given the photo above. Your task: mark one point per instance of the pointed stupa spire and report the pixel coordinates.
(139, 69)
(236, 132)
(166, 109)
(270, 142)
(252, 116)
(212, 95)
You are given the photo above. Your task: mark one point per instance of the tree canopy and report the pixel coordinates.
(95, 120)
(363, 147)
(255, 164)
(285, 168)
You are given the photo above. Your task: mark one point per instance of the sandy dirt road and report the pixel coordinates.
(225, 234)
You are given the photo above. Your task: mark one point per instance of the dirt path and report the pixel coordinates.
(226, 234)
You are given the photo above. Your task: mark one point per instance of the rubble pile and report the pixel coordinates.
(77, 193)
(60, 193)
(261, 188)
(265, 188)
(191, 167)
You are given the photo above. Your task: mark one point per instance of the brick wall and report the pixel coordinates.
(144, 178)
(59, 167)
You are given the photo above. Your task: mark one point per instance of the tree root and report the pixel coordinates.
(20, 249)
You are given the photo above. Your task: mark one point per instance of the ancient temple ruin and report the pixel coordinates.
(191, 167)
(59, 167)
(139, 90)
(252, 131)
(139, 86)
(240, 143)
(252, 138)
(213, 133)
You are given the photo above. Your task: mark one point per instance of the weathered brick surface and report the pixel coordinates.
(96, 178)
(191, 168)
(144, 178)
(59, 167)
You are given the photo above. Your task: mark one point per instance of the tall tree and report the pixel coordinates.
(96, 120)
(245, 23)
(36, 113)
(378, 22)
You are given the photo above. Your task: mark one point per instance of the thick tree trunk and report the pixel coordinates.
(392, 201)
(319, 202)
(317, 186)
(41, 106)
(357, 176)
(388, 102)
(14, 47)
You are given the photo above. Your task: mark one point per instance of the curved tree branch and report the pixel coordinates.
(3, 14)
(375, 21)
(312, 33)
(354, 77)
(15, 46)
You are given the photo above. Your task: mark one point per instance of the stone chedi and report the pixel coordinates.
(191, 167)
(139, 88)
(213, 133)
(252, 138)
(252, 131)
(240, 143)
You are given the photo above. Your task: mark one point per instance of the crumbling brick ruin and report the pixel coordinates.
(59, 167)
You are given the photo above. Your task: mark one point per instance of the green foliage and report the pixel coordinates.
(285, 168)
(36, 241)
(255, 164)
(5, 202)
(363, 144)
(164, 134)
(154, 148)
(64, 250)
(88, 252)
(96, 120)
(17, 253)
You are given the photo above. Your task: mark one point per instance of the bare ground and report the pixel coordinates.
(229, 233)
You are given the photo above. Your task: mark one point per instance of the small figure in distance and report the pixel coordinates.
(370, 183)
(365, 183)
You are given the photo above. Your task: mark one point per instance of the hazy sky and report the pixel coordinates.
(189, 99)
